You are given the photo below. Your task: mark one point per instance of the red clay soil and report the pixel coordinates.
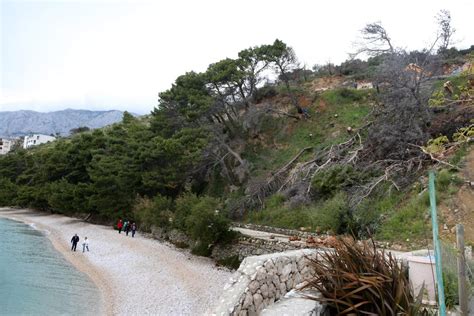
(326, 83)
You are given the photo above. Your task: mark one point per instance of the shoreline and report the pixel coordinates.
(78, 262)
(134, 275)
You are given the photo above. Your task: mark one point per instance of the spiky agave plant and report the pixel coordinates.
(358, 279)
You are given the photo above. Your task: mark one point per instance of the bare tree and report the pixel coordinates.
(446, 30)
(375, 41)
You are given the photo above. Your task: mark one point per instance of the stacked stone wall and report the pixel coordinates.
(262, 280)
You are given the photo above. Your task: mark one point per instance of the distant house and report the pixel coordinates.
(36, 139)
(5, 145)
(362, 85)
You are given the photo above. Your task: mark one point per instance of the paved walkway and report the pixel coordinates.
(261, 234)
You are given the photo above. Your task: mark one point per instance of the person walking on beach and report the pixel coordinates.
(119, 225)
(85, 244)
(74, 241)
(134, 229)
(127, 228)
(125, 225)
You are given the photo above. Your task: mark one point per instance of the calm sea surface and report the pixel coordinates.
(36, 280)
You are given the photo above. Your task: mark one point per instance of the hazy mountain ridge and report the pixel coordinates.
(23, 122)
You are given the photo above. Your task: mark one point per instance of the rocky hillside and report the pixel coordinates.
(20, 123)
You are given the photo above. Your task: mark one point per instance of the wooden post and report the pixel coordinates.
(461, 270)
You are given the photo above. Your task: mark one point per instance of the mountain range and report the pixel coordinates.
(21, 123)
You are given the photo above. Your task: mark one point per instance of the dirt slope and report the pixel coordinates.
(460, 209)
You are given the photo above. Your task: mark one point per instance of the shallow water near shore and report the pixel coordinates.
(35, 279)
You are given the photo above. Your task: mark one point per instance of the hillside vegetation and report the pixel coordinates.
(307, 151)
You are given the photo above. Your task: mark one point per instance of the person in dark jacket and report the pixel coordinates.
(134, 229)
(74, 241)
(127, 228)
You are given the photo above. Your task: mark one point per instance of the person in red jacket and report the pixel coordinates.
(120, 225)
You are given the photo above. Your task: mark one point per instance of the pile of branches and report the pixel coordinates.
(358, 279)
(262, 188)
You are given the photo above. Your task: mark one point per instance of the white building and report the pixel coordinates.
(36, 139)
(5, 145)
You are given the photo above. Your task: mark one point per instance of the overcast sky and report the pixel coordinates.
(105, 55)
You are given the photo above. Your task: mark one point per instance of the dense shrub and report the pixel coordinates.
(153, 213)
(443, 179)
(275, 200)
(368, 215)
(231, 262)
(354, 67)
(344, 96)
(184, 206)
(351, 94)
(330, 215)
(61, 198)
(450, 282)
(206, 224)
(33, 196)
(264, 92)
(7, 192)
(198, 217)
(333, 215)
(328, 181)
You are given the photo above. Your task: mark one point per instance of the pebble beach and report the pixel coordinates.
(138, 276)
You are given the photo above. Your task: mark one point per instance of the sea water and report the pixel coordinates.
(35, 279)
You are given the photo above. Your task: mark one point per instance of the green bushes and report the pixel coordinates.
(264, 92)
(62, 195)
(450, 282)
(183, 207)
(331, 214)
(231, 262)
(443, 179)
(328, 181)
(368, 215)
(275, 200)
(7, 192)
(198, 217)
(154, 213)
(351, 94)
(207, 225)
(102, 172)
(344, 96)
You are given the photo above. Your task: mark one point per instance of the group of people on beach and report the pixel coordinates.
(75, 240)
(126, 226)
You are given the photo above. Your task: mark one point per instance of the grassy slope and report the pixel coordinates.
(400, 217)
(331, 113)
(285, 137)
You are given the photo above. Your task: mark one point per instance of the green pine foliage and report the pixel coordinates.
(178, 168)
(101, 172)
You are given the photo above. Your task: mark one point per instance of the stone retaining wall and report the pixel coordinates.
(276, 230)
(262, 280)
(249, 246)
